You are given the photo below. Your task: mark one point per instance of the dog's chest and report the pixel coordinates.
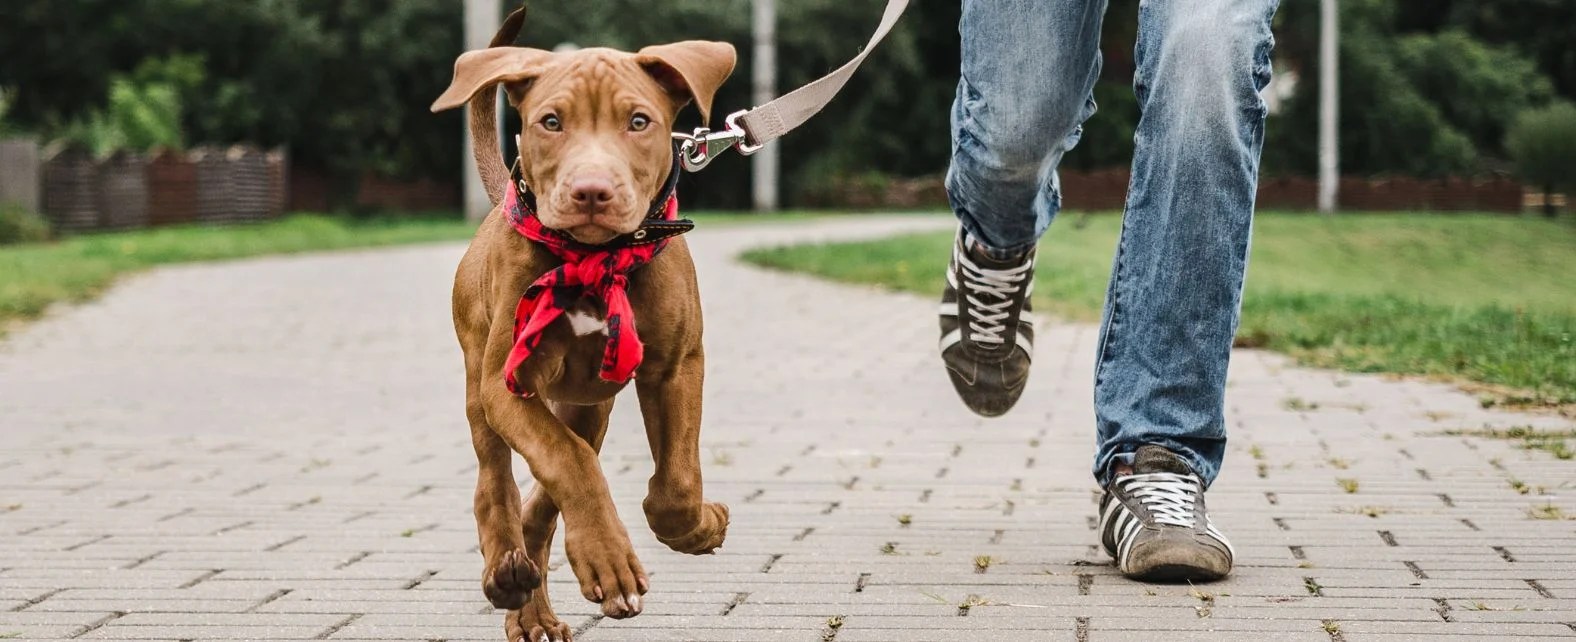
(567, 362)
(586, 318)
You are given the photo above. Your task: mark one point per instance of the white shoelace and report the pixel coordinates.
(988, 321)
(1170, 498)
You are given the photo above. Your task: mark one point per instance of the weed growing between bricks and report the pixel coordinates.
(833, 625)
(1552, 442)
(1548, 512)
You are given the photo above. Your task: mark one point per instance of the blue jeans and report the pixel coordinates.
(1172, 306)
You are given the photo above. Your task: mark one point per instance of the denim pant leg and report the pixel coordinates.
(1174, 299)
(1028, 74)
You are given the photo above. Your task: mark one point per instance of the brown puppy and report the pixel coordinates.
(595, 150)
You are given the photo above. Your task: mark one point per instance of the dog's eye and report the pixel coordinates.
(639, 123)
(550, 123)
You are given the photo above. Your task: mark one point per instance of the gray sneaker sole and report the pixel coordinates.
(993, 402)
(1174, 560)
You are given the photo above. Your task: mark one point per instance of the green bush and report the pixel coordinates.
(144, 112)
(1543, 144)
(5, 108)
(18, 225)
(1477, 88)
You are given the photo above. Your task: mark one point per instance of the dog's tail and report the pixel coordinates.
(484, 119)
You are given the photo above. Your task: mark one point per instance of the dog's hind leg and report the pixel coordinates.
(670, 404)
(536, 620)
(509, 575)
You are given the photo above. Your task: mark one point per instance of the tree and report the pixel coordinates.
(1476, 87)
(1387, 126)
(1428, 86)
(1541, 30)
(344, 84)
(1543, 142)
(144, 111)
(1421, 104)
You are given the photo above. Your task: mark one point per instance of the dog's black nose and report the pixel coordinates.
(591, 194)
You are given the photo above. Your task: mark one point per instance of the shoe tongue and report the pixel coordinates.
(1154, 459)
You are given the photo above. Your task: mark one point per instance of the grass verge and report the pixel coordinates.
(1481, 298)
(36, 275)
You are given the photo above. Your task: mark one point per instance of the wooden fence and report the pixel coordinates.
(78, 192)
(238, 184)
(127, 190)
(19, 168)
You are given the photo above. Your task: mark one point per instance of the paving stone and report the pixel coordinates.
(281, 454)
(1204, 636)
(186, 632)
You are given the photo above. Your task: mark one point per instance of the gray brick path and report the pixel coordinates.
(275, 449)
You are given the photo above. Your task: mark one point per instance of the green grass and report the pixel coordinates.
(34, 276)
(1483, 298)
(1528, 438)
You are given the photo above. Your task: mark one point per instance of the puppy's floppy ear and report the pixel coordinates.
(484, 68)
(693, 69)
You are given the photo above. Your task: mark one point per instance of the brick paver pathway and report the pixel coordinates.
(275, 449)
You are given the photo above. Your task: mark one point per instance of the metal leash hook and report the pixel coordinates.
(697, 150)
(782, 114)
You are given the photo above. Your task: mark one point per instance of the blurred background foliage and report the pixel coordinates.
(1429, 87)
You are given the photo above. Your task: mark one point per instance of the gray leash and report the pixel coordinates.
(748, 130)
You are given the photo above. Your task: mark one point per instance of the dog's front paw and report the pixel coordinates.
(508, 582)
(708, 534)
(608, 571)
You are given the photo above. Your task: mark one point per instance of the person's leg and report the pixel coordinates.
(1026, 87)
(1172, 306)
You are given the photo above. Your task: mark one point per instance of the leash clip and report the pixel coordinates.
(697, 150)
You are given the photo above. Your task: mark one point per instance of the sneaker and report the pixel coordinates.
(1154, 525)
(987, 331)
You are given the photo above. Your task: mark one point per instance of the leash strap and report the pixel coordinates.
(748, 130)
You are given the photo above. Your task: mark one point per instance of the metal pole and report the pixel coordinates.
(1329, 106)
(763, 167)
(482, 19)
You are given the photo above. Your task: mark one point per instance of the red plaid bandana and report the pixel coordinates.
(599, 271)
